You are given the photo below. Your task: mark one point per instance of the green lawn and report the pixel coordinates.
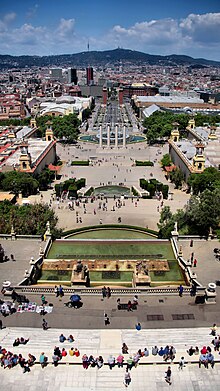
(56, 275)
(174, 274)
(123, 276)
(110, 234)
(111, 250)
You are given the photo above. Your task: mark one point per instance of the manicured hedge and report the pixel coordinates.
(80, 163)
(144, 163)
(154, 185)
(89, 228)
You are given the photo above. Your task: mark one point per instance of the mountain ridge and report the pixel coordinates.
(102, 58)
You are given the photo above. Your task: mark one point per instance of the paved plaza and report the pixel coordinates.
(113, 166)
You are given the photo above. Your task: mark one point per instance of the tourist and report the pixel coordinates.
(155, 350)
(129, 306)
(124, 348)
(55, 359)
(138, 326)
(43, 360)
(85, 361)
(109, 293)
(120, 360)
(56, 291)
(210, 360)
(61, 292)
(71, 352)
(45, 324)
(99, 362)
(203, 360)
(181, 364)
(76, 352)
(146, 352)
(62, 338)
(127, 378)
(23, 341)
(195, 262)
(180, 289)
(130, 362)
(111, 361)
(168, 376)
(106, 320)
(31, 359)
(70, 338)
(43, 300)
(104, 292)
(57, 352)
(213, 330)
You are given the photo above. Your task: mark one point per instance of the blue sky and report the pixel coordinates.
(46, 27)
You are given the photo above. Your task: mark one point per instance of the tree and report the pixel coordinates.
(203, 212)
(177, 178)
(19, 182)
(64, 128)
(208, 179)
(166, 160)
(27, 219)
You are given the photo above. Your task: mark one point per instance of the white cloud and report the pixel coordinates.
(66, 28)
(196, 35)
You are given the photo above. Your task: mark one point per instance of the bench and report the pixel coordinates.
(124, 306)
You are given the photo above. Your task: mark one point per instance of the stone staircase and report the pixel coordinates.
(105, 342)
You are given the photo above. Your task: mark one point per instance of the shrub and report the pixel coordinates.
(80, 163)
(144, 163)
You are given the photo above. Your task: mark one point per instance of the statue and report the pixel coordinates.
(48, 228)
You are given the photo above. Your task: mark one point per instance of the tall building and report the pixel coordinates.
(72, 76)
(89, 76)
(56, 74)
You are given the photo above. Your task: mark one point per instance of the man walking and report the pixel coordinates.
(44, 324)
(168, 376)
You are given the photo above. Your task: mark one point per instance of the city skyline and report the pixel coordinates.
(44, 28)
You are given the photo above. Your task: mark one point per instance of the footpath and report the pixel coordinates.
(70, 375)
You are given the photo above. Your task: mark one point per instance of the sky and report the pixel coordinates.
(47, 27)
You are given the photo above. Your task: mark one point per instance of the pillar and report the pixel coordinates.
(124, 137)
(108, 136)
(100, 137)
(116, 136)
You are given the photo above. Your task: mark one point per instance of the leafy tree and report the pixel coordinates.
(166, 160)
(208, 179)
(65, 127)
(27, 219)
(177, 178)
(19, 182)
(204, 212)
(159, 124)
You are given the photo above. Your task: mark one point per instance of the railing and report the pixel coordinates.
(98, 291)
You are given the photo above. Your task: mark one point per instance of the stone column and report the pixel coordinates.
(108, 136)
(116, 136)
(100, 137)
(124, 137)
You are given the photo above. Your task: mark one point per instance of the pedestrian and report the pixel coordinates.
(61, 292)
(43, 300)
(138, 326)
(180, 289)
(109, 293)
(44, 324)
(104, 292)
(129, 306)
(195, 262)
(168, 376)
(56, 291)
(127, 378)
(181, 363)
(192, 256)
(191, 243)
(106, 320)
